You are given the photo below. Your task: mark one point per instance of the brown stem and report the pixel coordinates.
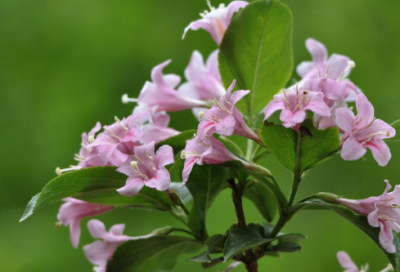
(250, 260)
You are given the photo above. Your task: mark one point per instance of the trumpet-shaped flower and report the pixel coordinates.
(363, 131)
(73, 211)
(208, 150)
(101, 251)
(294, 105)
(347, 263)
(161, 93)
(145, 168)
(383, 211)
(224, 118)
(122, 135)
(217, 20)
(203, 80)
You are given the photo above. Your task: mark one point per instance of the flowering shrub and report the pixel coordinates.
(139, 162)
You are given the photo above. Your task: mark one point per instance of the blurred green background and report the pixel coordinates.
(65, 64)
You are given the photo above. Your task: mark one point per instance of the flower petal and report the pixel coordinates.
(132, 187)
(345, 260)
(380, 151)
(344, 119)
(365, 110)
(351, 149)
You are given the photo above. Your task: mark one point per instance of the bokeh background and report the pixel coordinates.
(65, 64)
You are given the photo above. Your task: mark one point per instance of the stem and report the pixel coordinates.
(297, 173)
(249, 152)
(249, 259)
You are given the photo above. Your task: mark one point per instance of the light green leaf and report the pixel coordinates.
(96, 185)
(204, 183)
(316, 145)
(263, 199)
(240, 240)
(153, 254)
(257, 52)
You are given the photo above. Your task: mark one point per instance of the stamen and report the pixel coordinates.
(138, 159)
(148, 156)
(286, 98)
(227, 102)
(126, 99)
(297, 89)
(112, 133)
(120, 124)
(91, 139)
(319, 72)
(327, 72)
(351, 64)
(134, 164)
(214, 116)
(209, 4)
(183, 155)
(200, 114)
(59, 171)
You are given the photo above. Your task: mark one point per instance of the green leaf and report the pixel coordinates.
(215, 244)
(202, 258)
(291, 237)
(319, 146)
(213, 262)
(286, 247)
(263, 199)
(178, 142)
(240, 240)
(153, 254)
(175, 171)
(204, 183)
(257, 52)
(96, 185)
(360, 221)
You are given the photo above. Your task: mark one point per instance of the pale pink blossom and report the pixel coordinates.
(208, 150)
(120, 137)
(363, 131)
(145, 168)
(383, 211)
(217, 20)
(294, 105)
(347, 263)
(73, 211)
(224, 118)
(203, 80)
(162, 93)
(101, 251)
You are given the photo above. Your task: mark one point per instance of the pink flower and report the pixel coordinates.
(204, 81)
(161, 93)
(347, 263)
(363, 131)
(209, 150)
(146, 168)
(224, 118)
(121, 136)
(232, 266)
(217, 20)
(294, 105)
(100, 252)
(382, 211)
(73, 211)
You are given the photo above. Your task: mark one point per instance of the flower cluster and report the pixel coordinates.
(324, 90)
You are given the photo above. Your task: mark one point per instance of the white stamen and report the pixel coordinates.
(183, 155)
(387, 268)
(112, 133)
(214, 116)
(59, 171)
(148, 156)
(91, 139)
(209, 5)
(364, 268)
(138, 159)
(120, 124)
(200, 114)
(126, 99)
(351, 64)
(134, 164)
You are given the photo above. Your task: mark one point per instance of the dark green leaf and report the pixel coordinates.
(286, 247)
(268, 228)
(204, 183)
(263, 199)
(178, 142)
(175, 170)
(240, 240)
(257, 52)
(153, 254)
(202, 258)
(314, 149)
(237, 169)
(215, 244)
(97, 185)
(360, 221)
(213, 262)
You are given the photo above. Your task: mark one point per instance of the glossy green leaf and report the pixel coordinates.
(286, 247)
(316, 145)
(360, 221)
(263, 199)
(240, 240)
(178, 142)
(153, 254)
(257, 52)
(204, 183)
(97, 185)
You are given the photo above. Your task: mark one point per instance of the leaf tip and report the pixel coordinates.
(30, 207)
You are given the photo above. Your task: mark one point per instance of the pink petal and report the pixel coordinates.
(345, 260)
(319, 107)
(157, 73)
(304, 67)
(132, 187)
(232, 8)
(337, 64)
(117, 229)
(380, 151)
(351, 149)
(97, 229)
(386, 238)
(171, 80)
(365, 110)
(161, 180)
(318, 51)
(226, 126)
(165, 155)
(344, 119)
(75, 232)
(187, 169)
(212, 65)
(272, 107)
